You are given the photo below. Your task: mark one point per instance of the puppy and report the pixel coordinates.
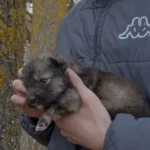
(48, 87)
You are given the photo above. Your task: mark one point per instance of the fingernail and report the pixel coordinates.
(68, 72)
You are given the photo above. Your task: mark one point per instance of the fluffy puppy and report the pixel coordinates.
(48, 87)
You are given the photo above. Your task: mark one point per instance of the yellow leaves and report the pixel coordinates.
(56, 10)
(9, 32)
(6, 35)
(1, 15)
(2, 80)
(2, 29)
(62, 5)
(5, 32)
(12, 41)
(12, 38)
(9, 36)
(12, 12)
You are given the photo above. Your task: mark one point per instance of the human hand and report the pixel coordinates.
(89, 125)
(19, 98)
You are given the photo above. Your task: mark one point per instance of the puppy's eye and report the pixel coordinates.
(43, 80)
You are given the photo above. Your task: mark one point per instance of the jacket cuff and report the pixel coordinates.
(29, 125)
(128, 133)
(119, 132)
(28, 122)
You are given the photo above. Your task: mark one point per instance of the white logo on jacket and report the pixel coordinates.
(139, 28)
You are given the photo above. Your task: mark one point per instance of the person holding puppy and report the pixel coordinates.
(104, 34)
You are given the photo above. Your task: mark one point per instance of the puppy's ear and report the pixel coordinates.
(56, 63)
(28, 68)
(76, 66)
(79, 68)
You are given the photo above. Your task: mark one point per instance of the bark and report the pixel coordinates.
(12, 41)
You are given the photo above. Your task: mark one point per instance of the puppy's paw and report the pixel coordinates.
(43, 123)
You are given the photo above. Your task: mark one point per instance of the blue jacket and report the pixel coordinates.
(113, 35)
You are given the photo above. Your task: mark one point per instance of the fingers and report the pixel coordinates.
(18, 100)
(77, 83)
(65, 120)
(85, 94)
(18, 87)
(71, 140)
(69, 137)
(22, 104)
(64, 133)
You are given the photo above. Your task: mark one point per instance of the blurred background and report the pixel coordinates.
(27, 28)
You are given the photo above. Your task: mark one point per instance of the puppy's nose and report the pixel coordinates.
(32, 99)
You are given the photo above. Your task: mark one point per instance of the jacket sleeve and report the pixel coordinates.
(29, 124)
(128, 133)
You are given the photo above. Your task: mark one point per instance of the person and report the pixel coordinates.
(112, 35)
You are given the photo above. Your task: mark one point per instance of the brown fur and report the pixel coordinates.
(118, 94)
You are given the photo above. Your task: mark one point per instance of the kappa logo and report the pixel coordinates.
(139, 28)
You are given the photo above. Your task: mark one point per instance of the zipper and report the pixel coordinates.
(100, 22)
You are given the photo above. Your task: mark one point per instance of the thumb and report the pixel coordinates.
(77, 83)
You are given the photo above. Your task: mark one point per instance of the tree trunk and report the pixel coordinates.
(12, 41)
(47, 17)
